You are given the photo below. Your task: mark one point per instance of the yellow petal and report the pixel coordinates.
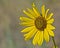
(46, 13)
(49, 26)
(50, 21)
(51, 33)
(33, 5)
(35, 40)
(27, 23)
(43, 10)
(35, 10)
(30, 34)
(32, 12)
(28, 14)
(46, 35)
(40, 41)
(37, 14)
(25, 19)
(50, 15)
(27, 29)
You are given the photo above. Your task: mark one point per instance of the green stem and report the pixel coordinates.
(54, 42)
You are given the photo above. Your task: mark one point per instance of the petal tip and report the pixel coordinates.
(33, 4)
(23, 10)
(51, 13)
(20, 18)
(43, 5)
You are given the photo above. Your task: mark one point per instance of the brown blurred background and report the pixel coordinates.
(11, 10)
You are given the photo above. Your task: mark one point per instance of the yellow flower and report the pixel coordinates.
(38, 25)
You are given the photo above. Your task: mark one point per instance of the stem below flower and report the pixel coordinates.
(54, 42)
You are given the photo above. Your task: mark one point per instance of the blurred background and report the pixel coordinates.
(11, 10)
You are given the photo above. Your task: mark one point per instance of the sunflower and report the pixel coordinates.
(38, 25)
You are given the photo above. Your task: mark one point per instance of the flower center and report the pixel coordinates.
(40, 23)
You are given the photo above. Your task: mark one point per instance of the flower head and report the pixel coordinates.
(39, 25)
